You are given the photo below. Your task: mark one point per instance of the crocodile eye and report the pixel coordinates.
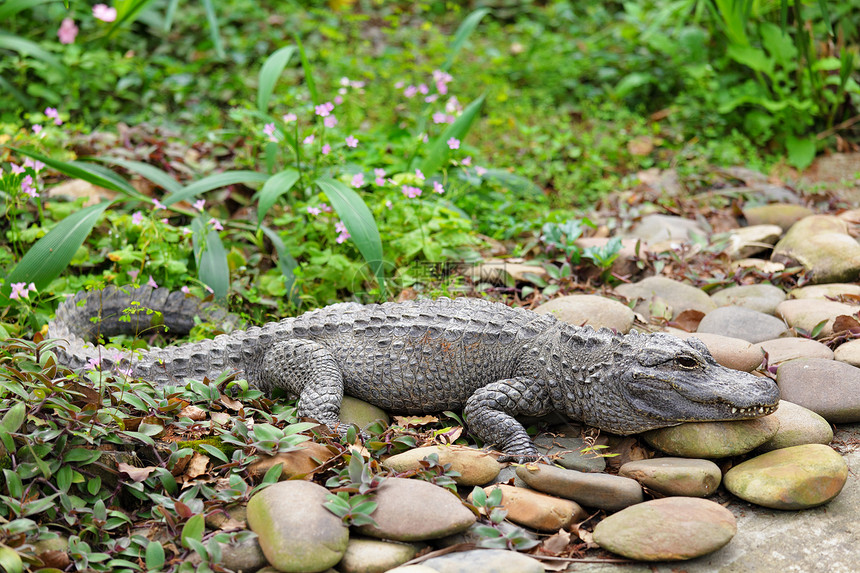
(686, 362)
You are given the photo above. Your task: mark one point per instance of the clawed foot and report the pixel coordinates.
(526, 458)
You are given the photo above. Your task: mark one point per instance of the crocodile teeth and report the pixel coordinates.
(734, 410)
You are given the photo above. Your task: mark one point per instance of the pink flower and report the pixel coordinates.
(339, 99)
(164, 221)
(431, 98)
(36, 129)
(423, 89)
(410, 91)
(324, 109)
(467, 161)
(437, 188)
(399, 85)
(53, 113)
(454, 143)
(27, 186)
(21, 290)
(344, 234)
(389, 204)
(308, 140)
(186, 290)
(351, 141)
(325, 208)
(358, 180)
(330, 121)
(151, 282)
(344, 81)
(68, 31)
(453, 105)
(269, 131)
(137, 218)
(326, 149)
(290, 117)
(411, 192)
(34, 164)
(200, 204)
(480, 170)
(17, 169)
(419, 175)
(104, 13)
(156, 204)
(313, 210)
(133, 275)
(380, 176)
(216, 225)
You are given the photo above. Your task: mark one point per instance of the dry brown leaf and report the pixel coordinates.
(197, 466)
(556, 544)
(230, 403)
(195, 413)
(222, 418)
(688, 320)
(585, 535)
(844, 322)
(407, 421)
(136, 474)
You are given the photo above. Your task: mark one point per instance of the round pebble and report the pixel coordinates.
(537, 510)
(360, 413)
(591, 310)
(781, 214)
(822, 245)
(300, 462)
(566, 451)
(743, 323)
(602, 491)
(798, 477)
(713, 439)
(374, 555)
(760, 297)
(680, 296)
(784, 349)
(749, 241)
(475, 467)
(485, 561)
(415, 510)
(797, 426)
(829, 388)
(808, 313)
(675, 476)
(668, 529)
(848, 353)
(825, 291)
(296, 532)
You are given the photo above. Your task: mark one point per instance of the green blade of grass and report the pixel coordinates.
(28, 48)
(277, 185)
(269, 74)
(214, 182)
(359, 222)
(212, 267)
(95, 174)
(439, 152)
(12, 7)
(286, 263)
(147, 171)
(214, 30)
(463, 32)
(127, 13)
(169, 13)
(309, 72)
(47, 258)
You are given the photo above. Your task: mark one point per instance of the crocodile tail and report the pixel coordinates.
(83, 319)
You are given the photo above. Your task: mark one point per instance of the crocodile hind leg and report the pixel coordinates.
(490, 412)
(308, 370)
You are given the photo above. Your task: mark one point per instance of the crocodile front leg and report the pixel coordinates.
(491, 409)
(308, 370)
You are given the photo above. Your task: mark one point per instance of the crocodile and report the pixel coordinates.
(492, 361)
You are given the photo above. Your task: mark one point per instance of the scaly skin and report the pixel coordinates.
(492, 361)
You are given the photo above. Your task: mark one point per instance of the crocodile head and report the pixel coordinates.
(660, 380)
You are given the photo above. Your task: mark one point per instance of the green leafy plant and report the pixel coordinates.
(492, 536)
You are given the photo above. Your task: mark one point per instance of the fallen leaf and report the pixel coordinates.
(688, 320)
(195, 413)
(222, 418)
(407, 421)
(197, 466)
(136, 474)
(230, 403)
(844, 322)
(556, 544)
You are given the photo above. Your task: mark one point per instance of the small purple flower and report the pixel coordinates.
(156, 204)
(466, 160)
(480, 170)
(410, 91)
(216, 224)
(308, 140)
(437, 188)
(380, 176)
(200, 204)
(423, 89)
(324, 109)
(411, 192)
(325, 208)
(185, 230)
(326, 149)
(151, 282)
(133, 275)
(19, 290)
(104, 13)
(419, 175)
(344, 234)
(186, 290)
(93, 363)
(54, 114)
(339, 99)
(389, 204)
(351, 141)
(68, 31)
(454, 143)
(314, 210)
(269, 132)
(27, 186)
(431, 98)
(137, 218)
(440, 117)
(36, 129)
(358, 180)
(17, 169)
(34, 164)
(290, 117)
(330, 121)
